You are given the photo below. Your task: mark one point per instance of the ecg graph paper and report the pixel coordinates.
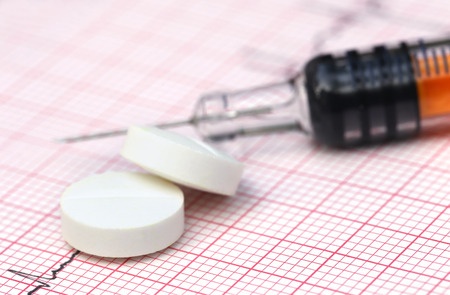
(306, 219)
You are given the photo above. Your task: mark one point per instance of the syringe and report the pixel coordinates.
(349, 99)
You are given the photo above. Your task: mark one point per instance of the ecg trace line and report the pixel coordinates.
(40, 279)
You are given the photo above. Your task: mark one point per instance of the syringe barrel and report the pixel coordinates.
(382, 94)
(355, 98)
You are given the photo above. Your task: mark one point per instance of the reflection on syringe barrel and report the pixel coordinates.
(379, 95)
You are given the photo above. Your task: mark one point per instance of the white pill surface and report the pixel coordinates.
(182, 160)
(122, 214)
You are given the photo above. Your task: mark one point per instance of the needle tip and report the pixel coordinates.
(64, 140)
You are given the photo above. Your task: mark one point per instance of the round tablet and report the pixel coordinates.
(122, 214)
(182, 160)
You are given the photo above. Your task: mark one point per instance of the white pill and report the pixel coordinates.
(182, 160)
(122, 214)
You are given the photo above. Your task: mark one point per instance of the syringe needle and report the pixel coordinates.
(92, 136)
(174, 124)
(119, 132)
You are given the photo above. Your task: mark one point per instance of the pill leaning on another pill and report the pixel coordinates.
(122, 214)
(183, 160)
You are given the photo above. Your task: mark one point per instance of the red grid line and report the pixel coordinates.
(377, 211)
(232, 226)
(332, 180)
(312, 247)
(318, 206)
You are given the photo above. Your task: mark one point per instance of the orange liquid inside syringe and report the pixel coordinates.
(433, 86)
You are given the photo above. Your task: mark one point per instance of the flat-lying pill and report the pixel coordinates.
(120, 214)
